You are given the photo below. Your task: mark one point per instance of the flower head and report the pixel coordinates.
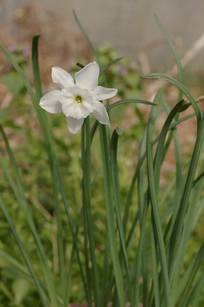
(80, 98)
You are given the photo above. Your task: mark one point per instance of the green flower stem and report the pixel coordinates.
(152, 183)
(106, 160)
(86, 197)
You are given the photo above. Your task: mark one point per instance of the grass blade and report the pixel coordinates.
(155, 214)
(171, 45)
(116, 195)
(23, 202)
(180, 87)
(110, 215)
(88, 225)
(24, 255)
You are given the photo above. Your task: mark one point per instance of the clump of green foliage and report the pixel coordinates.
(20, 123)
(84, 229)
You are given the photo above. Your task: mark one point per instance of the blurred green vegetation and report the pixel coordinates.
(21, 125)
(19, 121)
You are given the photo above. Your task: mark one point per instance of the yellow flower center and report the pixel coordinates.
(78, 99)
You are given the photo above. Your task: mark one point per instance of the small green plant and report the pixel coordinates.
(132, 251)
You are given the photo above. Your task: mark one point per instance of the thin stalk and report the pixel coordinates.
(105, 148)
(58, 183)
(23, 202)
(116, 196)
(184, 202)
(137, 265)
(24, 255)
(43, 119)
(155, 215)
(155, 274)
(88, 225)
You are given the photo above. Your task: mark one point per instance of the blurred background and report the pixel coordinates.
(116, 28)
(129, 26)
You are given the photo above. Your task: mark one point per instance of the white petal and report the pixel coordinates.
(104, 92)
(100, 113)
(75, 111)
(87, 77)
(51, 102)
(74, 125)
(62, 77)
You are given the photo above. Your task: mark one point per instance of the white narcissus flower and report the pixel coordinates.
(80, 98)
